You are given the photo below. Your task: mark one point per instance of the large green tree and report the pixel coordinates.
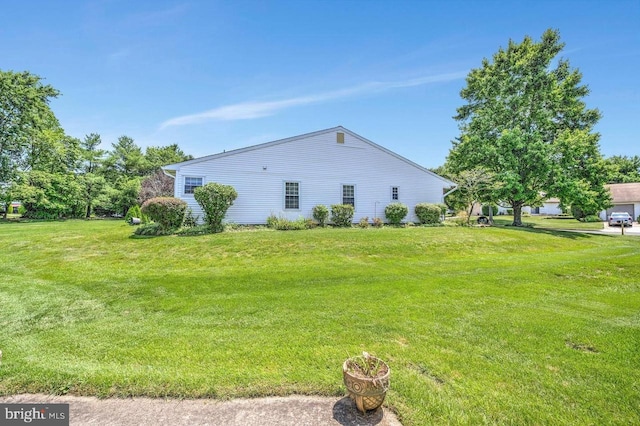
(24, 112)
(523, 116)
(623, 169)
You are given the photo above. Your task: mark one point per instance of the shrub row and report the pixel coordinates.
(283, 224)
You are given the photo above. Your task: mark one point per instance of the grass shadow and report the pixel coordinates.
(568, 233)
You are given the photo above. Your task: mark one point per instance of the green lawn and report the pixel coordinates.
(549, 222)
(479, 325)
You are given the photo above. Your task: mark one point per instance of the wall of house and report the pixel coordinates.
(550, 209)
(321, 166)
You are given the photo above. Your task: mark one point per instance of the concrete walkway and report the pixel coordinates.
(285, 411)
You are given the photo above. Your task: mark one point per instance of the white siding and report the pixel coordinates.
(321, 166)
(550, 208)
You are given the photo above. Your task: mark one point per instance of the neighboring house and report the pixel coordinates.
(551, 207)
(625, 198)
(289, 177)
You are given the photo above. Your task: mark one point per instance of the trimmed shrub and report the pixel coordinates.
(486, 207)
(510, 211)
(592, 218)
(395, 212)
(342, 215)
(167, 211)
(194, 230)
(215, 199)
(150, 229)
(281, 223)
(428, 213)
(364, 222)
(321, 214)
(377, 222)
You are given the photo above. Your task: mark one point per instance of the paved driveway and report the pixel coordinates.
(634, 230)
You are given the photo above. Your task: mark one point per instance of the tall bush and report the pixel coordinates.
(428, 213)
(395, 212)
(215, 199)
(321, 214)
(342, 214)
(167, 211)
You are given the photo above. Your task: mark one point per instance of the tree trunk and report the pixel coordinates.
(88, 211)
(517, 214)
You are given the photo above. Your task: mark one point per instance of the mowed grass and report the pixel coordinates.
(549, 222)
(479, 325)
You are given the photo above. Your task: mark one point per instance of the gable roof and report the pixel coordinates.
(173, 167)
(625, 192)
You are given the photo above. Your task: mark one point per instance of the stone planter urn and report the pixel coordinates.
(367, 380)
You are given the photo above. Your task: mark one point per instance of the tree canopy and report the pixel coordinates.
(55, 175)
(623, 169)
(24, 114)
(525, 120)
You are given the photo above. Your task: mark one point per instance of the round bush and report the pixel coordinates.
(395, 212)
(342, 215)
(428, 213)
(167, 211)
(215, 199)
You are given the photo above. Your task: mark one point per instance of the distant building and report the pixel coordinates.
(625, 198)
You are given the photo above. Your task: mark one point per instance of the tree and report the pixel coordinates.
(474, 186)
(156, 185)
(158, 156)
(91, 161)
(126, 160)
(24, 110)
(623, 169)
(518, 107)
(46, 195)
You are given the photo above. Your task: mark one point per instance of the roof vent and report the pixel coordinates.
(340, 137)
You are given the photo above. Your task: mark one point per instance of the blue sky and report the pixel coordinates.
(219, 75)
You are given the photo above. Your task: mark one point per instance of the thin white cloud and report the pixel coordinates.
(250, 110)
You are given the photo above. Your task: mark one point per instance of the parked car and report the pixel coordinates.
(620, 219)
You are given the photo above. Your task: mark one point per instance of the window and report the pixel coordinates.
(291, 195)
(395, 194)
(191, 183)
(340, 137)
(349, 195)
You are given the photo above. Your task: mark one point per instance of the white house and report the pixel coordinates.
(289, 177)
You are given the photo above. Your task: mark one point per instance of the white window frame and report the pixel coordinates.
(397, 193)
(342, 193)
(184, 184)
(284, 195)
